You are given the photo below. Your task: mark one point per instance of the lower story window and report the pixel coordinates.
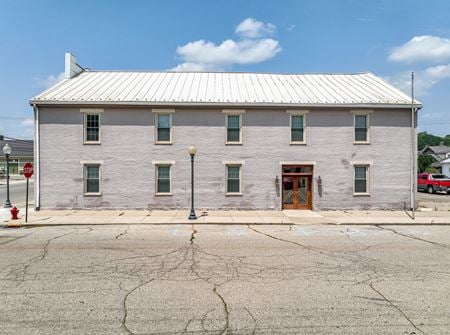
(233, 179)
(92, 179)
(361, 179)
(163, 179)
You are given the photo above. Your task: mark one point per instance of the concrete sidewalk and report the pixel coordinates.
(109, 217)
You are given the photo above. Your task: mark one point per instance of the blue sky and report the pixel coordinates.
(389, 38)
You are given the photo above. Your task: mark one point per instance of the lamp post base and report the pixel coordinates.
(192, 216)
(7, 204)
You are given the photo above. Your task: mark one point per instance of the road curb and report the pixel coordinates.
(41, 225)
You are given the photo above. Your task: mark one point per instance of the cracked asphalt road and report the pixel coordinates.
(219, 279)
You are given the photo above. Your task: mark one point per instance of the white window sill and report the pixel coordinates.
(232, 194)
(164, 142)
(361, 142)
(92, 142)
(297, 143)
(361, 194)
(99, 194)
(163, 194)
(233, 143)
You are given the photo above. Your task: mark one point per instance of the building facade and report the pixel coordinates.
(120, 139)
(22, 152)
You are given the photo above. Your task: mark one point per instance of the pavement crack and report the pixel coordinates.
(140, 285)
(195, 250)
(225, 309)
(253, 319)
(396, 307)
(123, 233)
(192, 235)
(414, 237)
(287, 241)
(47, 244)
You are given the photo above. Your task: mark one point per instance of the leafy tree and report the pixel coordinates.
(446, 140)
(431, 170)
(424, 139)
(424, 162)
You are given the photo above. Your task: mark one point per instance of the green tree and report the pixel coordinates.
(424, 162)
(424, 139)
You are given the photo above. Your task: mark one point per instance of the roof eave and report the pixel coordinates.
(34, 102)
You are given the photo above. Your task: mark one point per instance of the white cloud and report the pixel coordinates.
(204, 55)
(28, 122)
(422, 48)
(423, 80)
(252, 28)
(49, 81)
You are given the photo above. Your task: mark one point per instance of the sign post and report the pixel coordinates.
(27, 172)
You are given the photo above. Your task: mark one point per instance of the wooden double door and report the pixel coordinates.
(297, 192)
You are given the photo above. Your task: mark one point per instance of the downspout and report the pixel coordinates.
(413, 150)
(37, 162)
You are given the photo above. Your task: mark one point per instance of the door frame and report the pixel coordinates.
(296, 175)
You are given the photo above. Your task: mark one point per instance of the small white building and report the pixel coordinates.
(445, 166)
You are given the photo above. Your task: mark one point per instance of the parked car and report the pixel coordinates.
(433, 182)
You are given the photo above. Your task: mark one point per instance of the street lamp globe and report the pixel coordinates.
(192, 150)
(7, 149)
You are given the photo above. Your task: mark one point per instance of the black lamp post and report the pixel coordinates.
(7, 151)
(192, 151)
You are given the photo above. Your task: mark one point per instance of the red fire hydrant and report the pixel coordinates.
(14, 213)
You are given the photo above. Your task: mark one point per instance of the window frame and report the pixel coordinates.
(365, 113)
(86, 112)
(303, 114)
(159, 112)
(85, 179)
(157, 166)
(367, 167)
(228, 165)
(233, 112)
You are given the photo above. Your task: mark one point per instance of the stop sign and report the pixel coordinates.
(28, 170)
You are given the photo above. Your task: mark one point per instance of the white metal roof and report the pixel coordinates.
(219, 88)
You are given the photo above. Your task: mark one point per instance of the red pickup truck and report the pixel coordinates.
(433, 182)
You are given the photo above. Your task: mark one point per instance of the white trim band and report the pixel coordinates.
(163, 162)
(91, 110)
(91, 162)
(163, 110)
(298, 163)
(297, 111)
(361, 162)
(233, 111)
(233, 162)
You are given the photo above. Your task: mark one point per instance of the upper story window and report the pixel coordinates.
(163, 125)
(297, 129)
(298, 126)
(164, 128)
(91, 126)
(234, 126)
(361, 127)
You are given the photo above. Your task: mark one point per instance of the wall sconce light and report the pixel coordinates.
(277, 185)
(319, 186)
